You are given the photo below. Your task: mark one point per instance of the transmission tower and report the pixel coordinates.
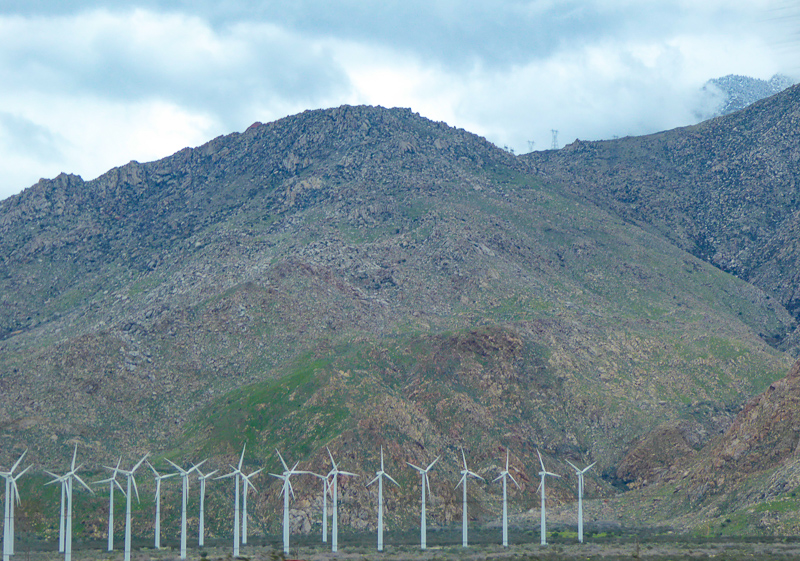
(555, 139)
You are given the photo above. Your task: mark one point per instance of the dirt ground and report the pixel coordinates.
(673, 549)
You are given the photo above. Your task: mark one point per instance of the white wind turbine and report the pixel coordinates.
(325, 490)
(184, 473)
(334, 475)
(237, 475)
(246, 483)
(12, 496)
(542, 474)
(287, 488)
(112, 481)
(423, 529)
(159, 478)
(66, 482)
(504, 475)
(580, 473)
(131, 480)
(464, 519)
(202, 478)
(379, 475)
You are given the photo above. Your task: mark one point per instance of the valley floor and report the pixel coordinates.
(674, 549)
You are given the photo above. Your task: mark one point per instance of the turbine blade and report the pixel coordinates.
(17, 462)
(82, 482)
(577, 470)
(173, 464)
(331, 455)
(133, 479)
(515, 481)
(74, 456)
(241, 458)
(587, 468)
(140, 462)
(463, 457)
(415, 467)
(285, 467)
(540, 460)
(373, 481)
(389, 477)
(432, 463)
(473, 474)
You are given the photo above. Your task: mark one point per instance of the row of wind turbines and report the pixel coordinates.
(242, 484)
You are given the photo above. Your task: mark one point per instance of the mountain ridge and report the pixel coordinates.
(314, 270)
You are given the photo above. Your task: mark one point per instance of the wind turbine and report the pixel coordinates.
(379, 475)
(423, 530)
(236, 474)
(112, 481)
(130, 480)
(184, 473)
(12, 496)
(287, 488)
(504, 475)
(334, 475)
(580, 473)
(325, 489)
(66, 482)
(159, 478)
(463, 482)
(542, 474)
(202, 478)
(246, 482)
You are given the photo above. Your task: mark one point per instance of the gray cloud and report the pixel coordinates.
(153, 76)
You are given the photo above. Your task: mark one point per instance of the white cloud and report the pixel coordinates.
(92, 84)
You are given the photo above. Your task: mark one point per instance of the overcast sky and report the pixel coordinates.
(87, 85)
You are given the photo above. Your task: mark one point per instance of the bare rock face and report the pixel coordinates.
(765, 433)
(659, 451)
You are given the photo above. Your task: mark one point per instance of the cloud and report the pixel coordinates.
(91, 84)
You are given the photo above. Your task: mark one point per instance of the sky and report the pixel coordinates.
(88, 85)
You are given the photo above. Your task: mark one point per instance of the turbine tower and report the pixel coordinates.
(12, 496)
(202, 478)
(246, 483)
(423, 531)
(463, 482)
(325, 490)
(62, 479)
(379, 475)
(504, 475)
(287, 488)
(184, 473)
(334, 476)
(112, 482)
(66, 481)
(580, 473)
(236, 474)
(131, 480)
(542, 474)
(159, 478)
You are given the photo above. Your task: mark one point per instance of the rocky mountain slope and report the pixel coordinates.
(726, 190)
(363, 277)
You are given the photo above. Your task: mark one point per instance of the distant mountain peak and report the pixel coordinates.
(735, 92)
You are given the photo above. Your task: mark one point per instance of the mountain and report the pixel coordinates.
(361, 277)
(726, 190)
